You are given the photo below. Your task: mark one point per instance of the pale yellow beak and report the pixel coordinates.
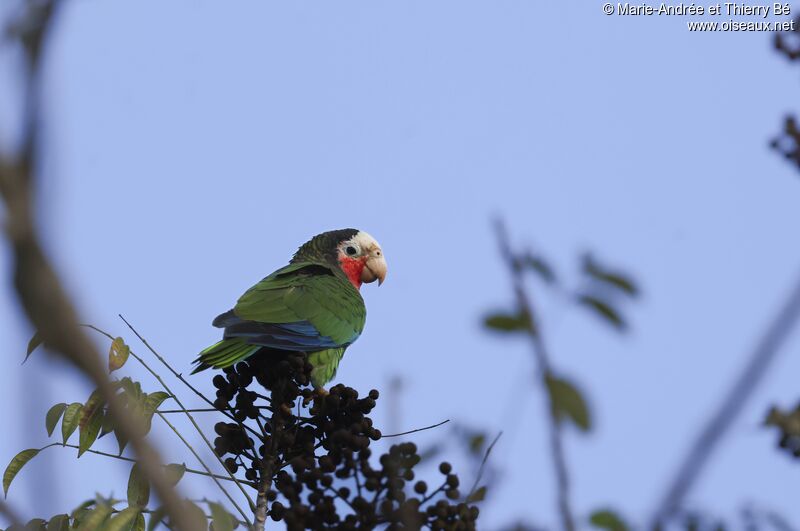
(374, 268)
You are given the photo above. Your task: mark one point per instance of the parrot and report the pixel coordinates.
(312, 305)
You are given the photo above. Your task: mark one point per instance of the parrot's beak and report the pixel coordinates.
(374, 268)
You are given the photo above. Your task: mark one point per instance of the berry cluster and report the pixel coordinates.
(313, 465)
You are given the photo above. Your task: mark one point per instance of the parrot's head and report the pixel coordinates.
(354, 251)
(361, 258)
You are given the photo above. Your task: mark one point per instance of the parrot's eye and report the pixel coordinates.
(351, 250)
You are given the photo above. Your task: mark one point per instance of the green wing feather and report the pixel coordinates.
(302, 291)
(307, 291)
(224, 354)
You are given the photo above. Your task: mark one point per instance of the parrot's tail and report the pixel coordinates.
(224, 354)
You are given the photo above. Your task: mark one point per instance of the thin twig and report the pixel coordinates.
(131, 460)
(230, 477)
(175, 373)
(483, 464)
(430, 496)
(38, 287)
(418, 429)
(200, 460)
(731, 406)
(201, 410)
(191, 419)
(137, 357)
(544, 371)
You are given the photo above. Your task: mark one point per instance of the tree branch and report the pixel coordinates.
(208, 470)
(544, 371)
(38, 287)
(733, 402)
(415, 431)
(191, 419)
(483, 465)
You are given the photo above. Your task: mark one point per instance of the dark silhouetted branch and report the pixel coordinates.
(418, 429)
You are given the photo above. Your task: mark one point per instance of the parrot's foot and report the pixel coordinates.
(318, 392)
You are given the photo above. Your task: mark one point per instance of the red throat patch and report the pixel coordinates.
(353, 267)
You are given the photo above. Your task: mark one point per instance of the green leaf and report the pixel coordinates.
(174, 473)
(131, 388)
(614, 279)
(154, 400)
(33, 344)
(196, 514)
(122, 442)
(477, 496)
(538, 265)
(16, 465)
(476, 442)
(82, 509)
(138, 487)
(151, 403)
(124, 520)
(604, 310)
(58, 523)
(566, 402)
(91, 421)
(503, 322)
(72, 417)
(94, 519)
(108, 425)
(118, 354)
(93, 403)
(53, 416)
(37, 524)
(221, 518)
(138, 525)
(605, 519)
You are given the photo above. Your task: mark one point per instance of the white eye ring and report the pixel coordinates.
(351, 250)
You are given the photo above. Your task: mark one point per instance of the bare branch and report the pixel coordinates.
(130, 460)
(191, 419)
(418, 429)
(733, 402)
(139, 359)
(483, 465)
(208, 470)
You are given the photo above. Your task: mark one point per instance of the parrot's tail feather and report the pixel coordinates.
(224, 354)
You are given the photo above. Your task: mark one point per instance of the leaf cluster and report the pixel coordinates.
(311, 467)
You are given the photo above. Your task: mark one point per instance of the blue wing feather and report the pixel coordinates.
(297, 336)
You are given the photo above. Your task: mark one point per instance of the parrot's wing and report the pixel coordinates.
(303, 306)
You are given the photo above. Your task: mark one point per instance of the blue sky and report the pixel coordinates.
(193, 146)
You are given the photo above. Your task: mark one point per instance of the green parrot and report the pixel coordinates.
(312, 305)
